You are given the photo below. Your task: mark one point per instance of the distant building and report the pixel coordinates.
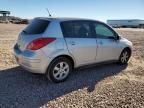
(126, 23)
(6, 18)
(5, 15)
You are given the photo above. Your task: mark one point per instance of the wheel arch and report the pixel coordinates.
(129, 49)
(66, 56)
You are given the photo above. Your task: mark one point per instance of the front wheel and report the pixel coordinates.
(59, 69)
(124, 57)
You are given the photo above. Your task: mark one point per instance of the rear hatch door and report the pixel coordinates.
(33, 31)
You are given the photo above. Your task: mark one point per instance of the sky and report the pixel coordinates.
(94, 9)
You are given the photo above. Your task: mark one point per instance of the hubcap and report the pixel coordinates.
(61, 70)
(124, 57)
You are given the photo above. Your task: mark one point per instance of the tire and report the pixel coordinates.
(124, 57)
(59, 70)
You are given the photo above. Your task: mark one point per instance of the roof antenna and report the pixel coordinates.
(48, 12)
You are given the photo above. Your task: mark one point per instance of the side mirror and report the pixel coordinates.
(117, 37)
(113, 38)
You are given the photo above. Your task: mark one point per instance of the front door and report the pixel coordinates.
(108, 46)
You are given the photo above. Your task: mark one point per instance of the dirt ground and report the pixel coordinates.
(104, 86)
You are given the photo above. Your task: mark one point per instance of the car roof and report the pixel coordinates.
(65, 19)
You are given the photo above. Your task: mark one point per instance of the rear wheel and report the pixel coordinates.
(59, 69)
(124, 57)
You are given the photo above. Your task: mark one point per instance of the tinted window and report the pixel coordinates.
(67, 28)
(76, 29)
(37, 26)
(103, 31)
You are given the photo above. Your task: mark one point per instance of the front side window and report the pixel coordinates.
(76, 29)
(103, 31)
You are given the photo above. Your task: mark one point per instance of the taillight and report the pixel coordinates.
(39, 43)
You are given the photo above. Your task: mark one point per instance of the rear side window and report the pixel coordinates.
(67, 28)
(37, 26)
(76, 29)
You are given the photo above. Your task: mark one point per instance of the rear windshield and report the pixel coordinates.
(37, 26)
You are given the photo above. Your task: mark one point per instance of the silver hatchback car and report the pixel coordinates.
(54, 46)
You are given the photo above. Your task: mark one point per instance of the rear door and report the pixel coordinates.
(80, 40)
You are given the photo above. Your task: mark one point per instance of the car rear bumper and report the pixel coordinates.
(33, 61)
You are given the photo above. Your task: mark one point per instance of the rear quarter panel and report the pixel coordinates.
(57, 47)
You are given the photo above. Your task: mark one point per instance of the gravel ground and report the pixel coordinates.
(101, 86)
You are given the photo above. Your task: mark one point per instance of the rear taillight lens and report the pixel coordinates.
(39, 43)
